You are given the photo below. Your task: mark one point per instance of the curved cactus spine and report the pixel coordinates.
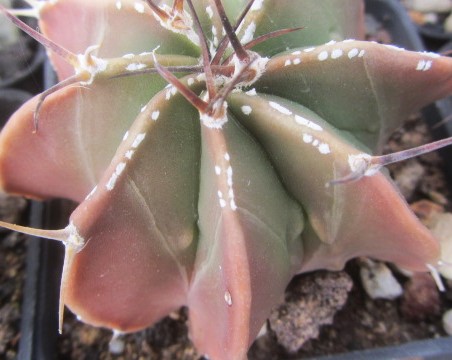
(208, 175)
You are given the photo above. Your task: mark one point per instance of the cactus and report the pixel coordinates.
(214, 161)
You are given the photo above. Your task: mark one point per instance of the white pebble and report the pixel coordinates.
(378, 281)
(447, 322)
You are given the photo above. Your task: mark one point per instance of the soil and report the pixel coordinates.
(12, 275)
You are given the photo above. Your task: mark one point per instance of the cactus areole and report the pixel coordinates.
(216, 149)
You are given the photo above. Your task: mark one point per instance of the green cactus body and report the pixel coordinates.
(193, 195)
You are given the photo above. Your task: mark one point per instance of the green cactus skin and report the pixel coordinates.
(189, 200)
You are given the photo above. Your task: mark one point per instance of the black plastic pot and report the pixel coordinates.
(22, 61)
(39, 325)
(44, 261)
(434, 35)
(10, 101)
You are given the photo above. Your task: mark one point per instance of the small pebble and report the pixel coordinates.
(312, 300)
(378, 280)
(420, 299)
(448, 24)
(409, 177)
(442, 229)
(439, 6)
(426, 211)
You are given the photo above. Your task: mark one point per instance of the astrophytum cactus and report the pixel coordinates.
(213, 162)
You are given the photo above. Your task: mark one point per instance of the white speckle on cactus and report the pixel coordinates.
(126, 135)
(118, 5)
(251, 92)
(219, 118)
(201, 77)
(305, 122)
(307, 50)
(249, 33)
(424, 65)
(361, 53)
(358, 162)
(324, 148)
(111, 182)
(168, 94)
(212, 122)
(307, 138)
(229, 174)
(288, 62)
(348, 40)
(209, 12)
(352, 53)
(143, 109)
(139, 7)
(228, 298)
(215, 36)
(135, 66)
(128, 56)
(298, 52)
(257, 67)
(420, 65)
(280, 108)
(222, 203)
(430, 54)
(361, 164)
(331, 42)
(336, 53)
(173, 90)
(229, 181)
(323, 55)
(246, 109)
(155, 115)
(190, 81)
(138, 139)
(74, 239)
(90, 63)
(129, 154)
(90, 195)
(393, 47)
(120, 168)
(114, 177)
(220, 194)
(257, 5)
(296, 61)
(185, 20)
